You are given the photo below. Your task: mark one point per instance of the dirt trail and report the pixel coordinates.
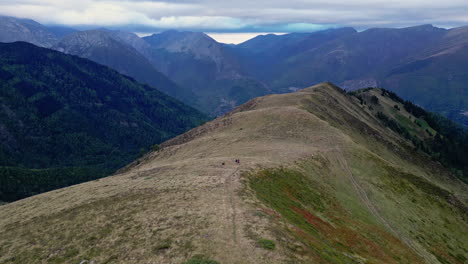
(230, 189)
(374, 210)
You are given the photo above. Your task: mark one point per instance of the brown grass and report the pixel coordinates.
(181, 201)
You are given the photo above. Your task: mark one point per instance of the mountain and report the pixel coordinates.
(324, 177)
(436, 77)
(132, 40)
(65, 120)
(17, 29)
(208, 68)
(61, 31)
(351, 55)
(107, 48)
(424, 64)
(261, 54)
(197, 44)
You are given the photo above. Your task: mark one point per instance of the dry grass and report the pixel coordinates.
(181, 201)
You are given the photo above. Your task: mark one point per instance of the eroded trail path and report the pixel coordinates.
(230, 186)
(373, 209)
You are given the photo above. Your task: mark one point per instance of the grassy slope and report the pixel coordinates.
(321, 180)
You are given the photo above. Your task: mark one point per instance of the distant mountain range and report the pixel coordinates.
(208, 68)
(65, 120)
(118, 50)
(424, 64)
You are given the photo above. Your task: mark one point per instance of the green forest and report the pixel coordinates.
(447, 146)
(66, 120)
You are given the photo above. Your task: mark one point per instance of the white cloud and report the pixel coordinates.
(241, 15)
(236, 38)
(196, 21)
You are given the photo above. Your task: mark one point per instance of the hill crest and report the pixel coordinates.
(320, 179)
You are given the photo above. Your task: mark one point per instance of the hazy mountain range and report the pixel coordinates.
(424, 64)
(118, 50)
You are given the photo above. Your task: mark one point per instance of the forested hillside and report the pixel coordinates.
(62, 116)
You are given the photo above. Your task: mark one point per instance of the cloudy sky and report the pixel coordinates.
(234, 18)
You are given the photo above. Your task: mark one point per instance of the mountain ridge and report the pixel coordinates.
(20, 29)
(309, 187)
(215, 78)
(115, 50)
(206, 67)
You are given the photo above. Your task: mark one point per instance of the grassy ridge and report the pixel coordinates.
(387, 204)
(321, 180)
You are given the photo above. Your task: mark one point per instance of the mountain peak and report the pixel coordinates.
(198, 44)
(17, 29)
(427, 28)
(124, 52)
(82, 40)
(182, 41)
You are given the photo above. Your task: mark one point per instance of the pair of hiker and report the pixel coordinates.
(237, 161)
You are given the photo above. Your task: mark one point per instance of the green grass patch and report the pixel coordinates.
(68, 254)
(266, 244)
(200, 259)
(285, 189)
(406, 123)
(164, 245)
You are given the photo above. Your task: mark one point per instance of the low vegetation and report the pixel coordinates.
(321, 225)
(200, 259)
(334, 225)
(447, 141)
(266, 244)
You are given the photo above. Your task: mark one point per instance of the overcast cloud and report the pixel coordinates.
(240, 15)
